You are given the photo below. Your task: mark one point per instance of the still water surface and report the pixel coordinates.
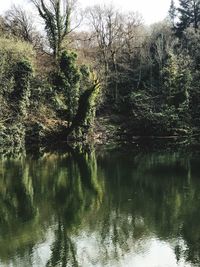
(116, 209)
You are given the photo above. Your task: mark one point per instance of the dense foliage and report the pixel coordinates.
(149, 76)
(152, 75)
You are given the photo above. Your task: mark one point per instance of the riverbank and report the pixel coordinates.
(107, 131)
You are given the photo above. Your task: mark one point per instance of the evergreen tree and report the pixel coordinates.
(189, 14)
(169, 74)
(172, 13)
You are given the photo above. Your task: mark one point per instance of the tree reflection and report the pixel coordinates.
(119, 200)
(36, 193)
(164, 193)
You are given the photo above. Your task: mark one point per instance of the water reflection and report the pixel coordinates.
(103, 209)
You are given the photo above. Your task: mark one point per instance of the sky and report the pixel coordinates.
(151, 10)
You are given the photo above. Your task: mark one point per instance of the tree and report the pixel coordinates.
(21, 93)
(57, 18)
(106, 23)
(172, 13)
(66, 83)
(170, 73)
(19, 23)
(77, 90)
(160, 42)
(189, 15)
(115, 34)
(177, 83)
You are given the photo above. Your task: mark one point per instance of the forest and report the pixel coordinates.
(97, 74)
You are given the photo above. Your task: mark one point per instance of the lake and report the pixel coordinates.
(100, 208)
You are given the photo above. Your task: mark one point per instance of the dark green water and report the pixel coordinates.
(100, 209)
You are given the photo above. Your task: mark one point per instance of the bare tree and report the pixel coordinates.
(106, 25)
(116, 35)
(20, 23)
